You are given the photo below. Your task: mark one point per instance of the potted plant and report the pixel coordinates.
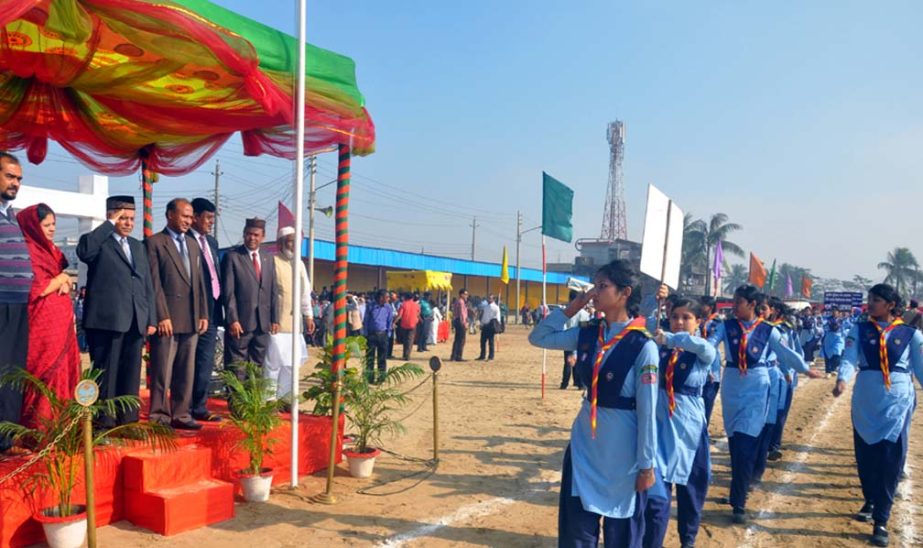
(368, 406)
(59, 437)
(255, 413)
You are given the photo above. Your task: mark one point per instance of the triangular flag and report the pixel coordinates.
(286, 218)
(757, 271)
(806, 284)
(719, 260)
(789, 291)
(505, 268)
(772, 275)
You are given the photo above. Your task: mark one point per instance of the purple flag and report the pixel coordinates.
(789, 291)
(719, 259)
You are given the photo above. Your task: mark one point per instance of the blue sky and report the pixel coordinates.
(803, 121)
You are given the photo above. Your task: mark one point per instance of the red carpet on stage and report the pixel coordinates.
(149, 489)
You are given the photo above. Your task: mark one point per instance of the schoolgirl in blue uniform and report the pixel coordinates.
(609, 463)
(706, 327)
(764, 309)
(682, 431)
(747, 340)
(784, 317)
(833, 345)
(887, 354)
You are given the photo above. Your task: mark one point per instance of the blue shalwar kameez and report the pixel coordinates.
(880, 414)
(599, 475)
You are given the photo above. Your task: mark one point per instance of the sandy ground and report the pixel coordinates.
(498, 476)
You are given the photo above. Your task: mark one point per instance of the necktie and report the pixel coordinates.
(256, 265)
(668, 380)
(184, 253)
(742, 349)
(216, 288)
(883, 359)
(603, 346)
(126, 249)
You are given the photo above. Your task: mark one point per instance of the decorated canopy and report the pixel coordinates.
(423, 280)
(167, 82)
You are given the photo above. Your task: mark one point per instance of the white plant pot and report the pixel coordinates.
(361, 465)
(256, 487)
(69, 532)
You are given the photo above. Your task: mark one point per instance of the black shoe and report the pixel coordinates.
(879, 535)
(775, 455)
(865, 513)
(461, 360)
(563, 387)
(482, 358)
(206, 417)
(723, 500)
(739, 517)
(186, 425)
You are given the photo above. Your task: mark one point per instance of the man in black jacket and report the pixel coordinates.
(251, 298)
(204, 219)
(119, 308)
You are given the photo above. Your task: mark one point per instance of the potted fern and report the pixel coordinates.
(60, 438)
(369, 407)
(255, 414)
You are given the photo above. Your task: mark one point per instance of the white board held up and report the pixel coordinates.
(662, 246)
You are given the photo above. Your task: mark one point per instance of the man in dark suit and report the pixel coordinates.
(251, 297)
(119, 307)
(182, 315)
(203, 220)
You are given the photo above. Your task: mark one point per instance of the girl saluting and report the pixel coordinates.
(609, 463)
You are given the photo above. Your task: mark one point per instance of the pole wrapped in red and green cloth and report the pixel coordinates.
(340, 268)
(147, 187)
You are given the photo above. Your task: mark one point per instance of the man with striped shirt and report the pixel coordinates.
(15, 282)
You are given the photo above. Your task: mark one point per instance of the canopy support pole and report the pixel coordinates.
(340, 268)
(147, 187)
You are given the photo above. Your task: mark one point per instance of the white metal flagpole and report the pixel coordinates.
(544, 309)
(299, 221)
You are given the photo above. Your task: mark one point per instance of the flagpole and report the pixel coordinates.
(545, 309)
(299, 221)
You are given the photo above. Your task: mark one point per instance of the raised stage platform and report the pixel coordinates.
(169, 492)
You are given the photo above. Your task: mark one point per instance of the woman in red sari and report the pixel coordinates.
(53, 353)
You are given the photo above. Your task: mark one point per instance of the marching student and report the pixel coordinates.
(832, 346)
(682, 431)
(609, 463)
(886, 352)
(776, 380)
(786, 325)
(713, 383)
(745, 387)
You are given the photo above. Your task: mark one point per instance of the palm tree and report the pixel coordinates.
(717, 230)
(862, 283)
(902, 268)
(737, 276)
(693, 253)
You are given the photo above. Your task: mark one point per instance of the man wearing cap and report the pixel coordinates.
(203, 212)
(278, 366)
(15, 283)
(182, 315)
(119, 307)
(250, 298)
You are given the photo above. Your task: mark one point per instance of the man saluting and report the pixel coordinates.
(119, 308)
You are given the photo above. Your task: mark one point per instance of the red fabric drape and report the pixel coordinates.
(53, 353)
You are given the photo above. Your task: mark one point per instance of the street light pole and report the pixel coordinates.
(312, 203)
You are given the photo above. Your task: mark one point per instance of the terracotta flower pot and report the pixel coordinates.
(64, 532)
(256, 486)
(361, 464)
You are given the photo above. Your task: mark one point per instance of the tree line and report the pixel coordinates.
(700, 243)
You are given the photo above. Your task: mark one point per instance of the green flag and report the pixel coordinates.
(557, 209)
(772, 276)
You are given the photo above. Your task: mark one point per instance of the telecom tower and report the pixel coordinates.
(615, 223)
